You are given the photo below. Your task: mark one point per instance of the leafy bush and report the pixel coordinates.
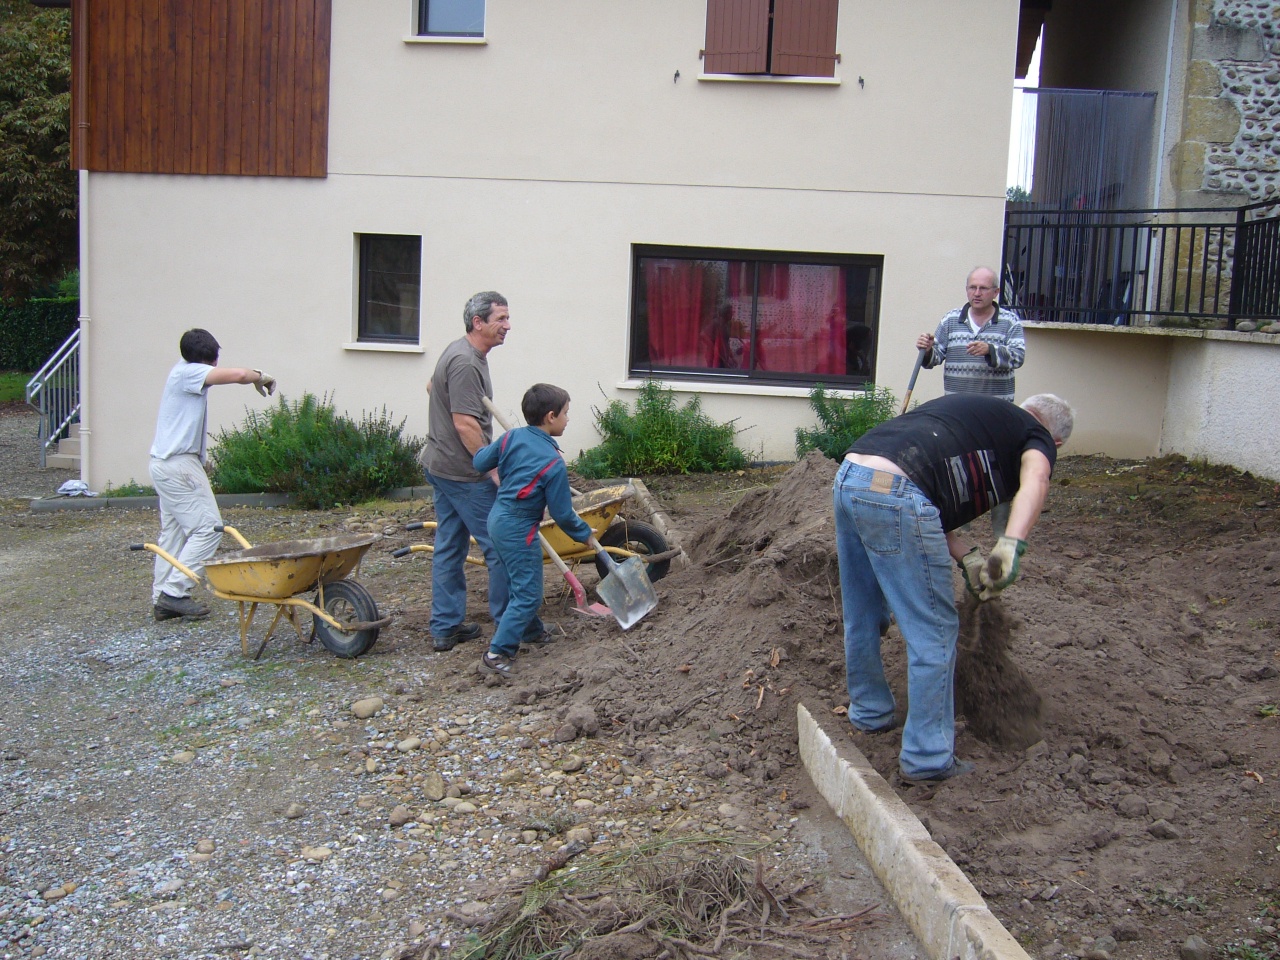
(130, 489)
(842, 421)
(658, 438)
(306, 449)
(31, 330)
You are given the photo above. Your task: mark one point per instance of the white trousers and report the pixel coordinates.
(188, 514)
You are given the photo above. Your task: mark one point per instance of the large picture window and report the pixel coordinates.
(754, 315)
(451, 18)
(390, 288)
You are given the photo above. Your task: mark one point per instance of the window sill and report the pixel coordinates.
(465, 41)
(762, 78)
(735, 388)
(376, 347)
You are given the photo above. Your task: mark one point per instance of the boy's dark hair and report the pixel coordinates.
(540, 400)
(198, 346)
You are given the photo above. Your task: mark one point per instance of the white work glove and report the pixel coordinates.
(971, 566)
(1002, 566)
(266, 384)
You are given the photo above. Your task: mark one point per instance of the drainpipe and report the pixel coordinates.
(1164, 114)
(86, 328)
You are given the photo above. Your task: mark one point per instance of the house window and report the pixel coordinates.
(390, 286)
(784, 38)
(760, 316)
(451, 18)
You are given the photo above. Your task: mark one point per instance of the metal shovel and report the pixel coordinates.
(627, 589)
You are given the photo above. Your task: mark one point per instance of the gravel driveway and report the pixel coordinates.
(163, 796)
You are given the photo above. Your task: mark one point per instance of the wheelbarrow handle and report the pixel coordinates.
(227, 528)
(416, 525)
(170, 558)
(402, 552)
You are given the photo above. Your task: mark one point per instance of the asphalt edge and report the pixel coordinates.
(943, 909)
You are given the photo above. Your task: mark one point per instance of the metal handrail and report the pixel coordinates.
(54, 391)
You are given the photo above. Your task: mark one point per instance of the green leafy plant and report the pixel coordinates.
(659, 437)
(130, 489)
(13, 386)
(321, 457)
(843, 420)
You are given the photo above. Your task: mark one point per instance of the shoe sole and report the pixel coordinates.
(494, 671)
(163, 615)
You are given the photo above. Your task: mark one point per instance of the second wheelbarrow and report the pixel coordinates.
(344, 614)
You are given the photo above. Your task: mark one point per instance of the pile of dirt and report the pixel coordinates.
(1118, 700)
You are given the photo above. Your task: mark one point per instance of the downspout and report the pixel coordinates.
(1164, 114)
(86, 432)
(80, 159)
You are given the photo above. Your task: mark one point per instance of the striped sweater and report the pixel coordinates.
(992, 375)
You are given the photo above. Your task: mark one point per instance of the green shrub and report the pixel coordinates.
(31, 330)
(843, 420)
(130, 489)
(320, 457)
(658, 437)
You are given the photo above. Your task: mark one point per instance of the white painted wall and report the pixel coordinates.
(530, 165)
(1220, 395)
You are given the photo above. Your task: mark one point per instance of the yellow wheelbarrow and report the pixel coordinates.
(344, 614)
(601, 509)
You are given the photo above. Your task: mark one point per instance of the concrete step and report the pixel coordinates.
(60, 461)
(69, 447)
(73, 431)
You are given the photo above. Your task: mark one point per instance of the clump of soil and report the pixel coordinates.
(1002, 705)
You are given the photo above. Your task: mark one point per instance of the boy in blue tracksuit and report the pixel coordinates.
(533, 475)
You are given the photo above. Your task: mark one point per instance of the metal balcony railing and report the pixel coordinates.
(55, 392)
(1207, 266)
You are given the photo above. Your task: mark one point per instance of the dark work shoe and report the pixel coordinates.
(167, 608)
(459, 634)
(958, 768)
(549, 634)
(496, 664)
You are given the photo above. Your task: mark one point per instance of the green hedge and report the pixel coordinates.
(30, 331)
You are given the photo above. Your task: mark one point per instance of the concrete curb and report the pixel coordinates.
(224, 500)
(947, 914)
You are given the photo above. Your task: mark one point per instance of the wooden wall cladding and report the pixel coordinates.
(237, 87)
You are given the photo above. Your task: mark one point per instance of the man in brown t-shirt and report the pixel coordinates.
(458, 424)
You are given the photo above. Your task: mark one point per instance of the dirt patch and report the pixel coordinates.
(1123, 716)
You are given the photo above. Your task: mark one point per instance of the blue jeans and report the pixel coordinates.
(894, 558)
(462, 512)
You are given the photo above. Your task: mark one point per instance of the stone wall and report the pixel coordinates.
(1231, 129)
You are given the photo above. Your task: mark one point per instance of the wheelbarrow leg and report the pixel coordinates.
(246, 619)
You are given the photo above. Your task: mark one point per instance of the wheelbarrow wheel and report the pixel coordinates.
(347, 602)
(638, 538)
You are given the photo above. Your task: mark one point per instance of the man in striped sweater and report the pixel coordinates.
(979, 346)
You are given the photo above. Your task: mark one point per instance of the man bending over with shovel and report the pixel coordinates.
(902, 491)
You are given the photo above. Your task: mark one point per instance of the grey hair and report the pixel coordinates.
(481, 305)
(1054, 412)
(995, 274)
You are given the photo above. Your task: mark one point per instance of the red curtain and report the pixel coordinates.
(673, 290)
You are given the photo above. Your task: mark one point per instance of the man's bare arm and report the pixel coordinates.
(1033, 490)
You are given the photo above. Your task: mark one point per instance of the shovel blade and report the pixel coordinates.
(628, 592)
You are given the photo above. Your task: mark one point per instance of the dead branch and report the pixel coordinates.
(559, 859)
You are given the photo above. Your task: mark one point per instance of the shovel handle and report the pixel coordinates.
(911, 384)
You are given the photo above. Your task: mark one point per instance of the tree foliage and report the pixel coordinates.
(38, 230)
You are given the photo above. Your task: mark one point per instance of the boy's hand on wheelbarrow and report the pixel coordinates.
(266, 384)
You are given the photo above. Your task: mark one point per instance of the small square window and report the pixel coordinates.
(390, 288)
(451, 18)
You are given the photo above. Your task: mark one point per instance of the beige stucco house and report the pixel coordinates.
(740, 198)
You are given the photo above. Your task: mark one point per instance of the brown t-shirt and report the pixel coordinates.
(459, 384)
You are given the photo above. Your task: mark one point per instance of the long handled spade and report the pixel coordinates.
(911, 384)
(579, 592)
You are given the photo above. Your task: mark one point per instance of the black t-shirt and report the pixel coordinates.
(963, 451)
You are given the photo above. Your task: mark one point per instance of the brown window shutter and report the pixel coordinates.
(737, 36)
(804, 38)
